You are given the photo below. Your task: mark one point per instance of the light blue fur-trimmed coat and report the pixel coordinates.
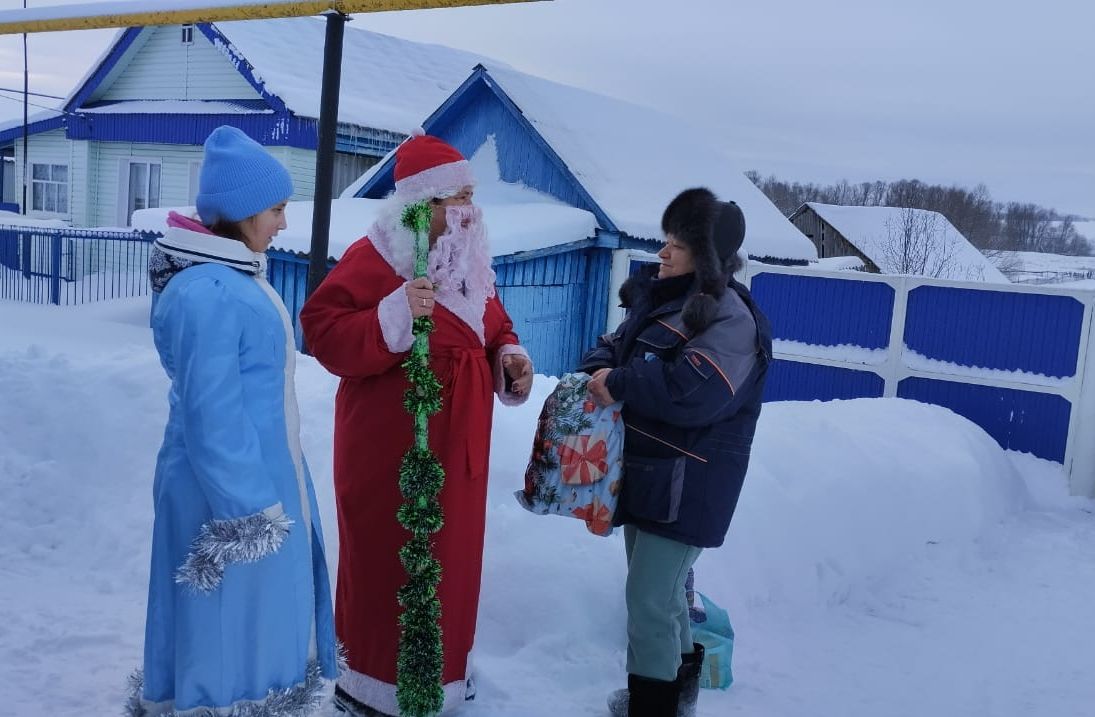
(239, 607)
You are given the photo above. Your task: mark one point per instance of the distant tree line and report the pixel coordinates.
(990, 226)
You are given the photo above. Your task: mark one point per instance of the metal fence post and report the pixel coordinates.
(27, 243)
(1080, 452)
(55, 268)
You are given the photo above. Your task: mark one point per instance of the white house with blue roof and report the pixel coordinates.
(574, 187)
(130, 134)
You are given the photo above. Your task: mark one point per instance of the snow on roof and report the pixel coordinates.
(518, 218)
(511, 227)
(31, 119)
(874, 231)
(175, 107)
(839, 263)
(387, 83)
(633, 160)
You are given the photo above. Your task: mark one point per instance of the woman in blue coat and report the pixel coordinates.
(239, 609)
(688, 363)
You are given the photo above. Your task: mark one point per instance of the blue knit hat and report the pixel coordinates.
(239, 178)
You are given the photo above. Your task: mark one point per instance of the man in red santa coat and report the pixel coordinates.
(358, 325)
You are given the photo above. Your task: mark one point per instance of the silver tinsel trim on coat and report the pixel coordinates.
(300, 700)
(220, 542)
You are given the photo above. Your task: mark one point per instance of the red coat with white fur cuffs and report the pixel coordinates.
(358, 325)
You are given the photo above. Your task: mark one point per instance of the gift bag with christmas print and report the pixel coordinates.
(577, 457)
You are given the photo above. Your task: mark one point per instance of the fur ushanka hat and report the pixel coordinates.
(714, 231)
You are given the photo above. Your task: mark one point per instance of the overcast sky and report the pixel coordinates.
(946, 91)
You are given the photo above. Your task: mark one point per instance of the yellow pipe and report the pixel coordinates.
(83, 17)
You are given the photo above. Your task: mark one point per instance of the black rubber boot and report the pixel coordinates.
(688, 678)
(343, 702)
(651, 698)
(688, 683)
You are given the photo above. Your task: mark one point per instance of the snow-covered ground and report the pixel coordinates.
(887, 558)
(1033, 267)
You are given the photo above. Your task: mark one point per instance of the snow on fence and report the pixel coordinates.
(59, 265)
(1011, 358)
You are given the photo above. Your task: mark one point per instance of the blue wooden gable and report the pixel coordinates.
(280, 127)
(480, 108)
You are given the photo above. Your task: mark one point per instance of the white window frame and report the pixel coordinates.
(124, 169)
(194, 168)
(60, 189)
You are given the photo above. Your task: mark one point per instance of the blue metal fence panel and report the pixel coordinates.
(288, 274)
(826, 311)
(47, 265)
(1025, 421)
(995, 329)
(800, 381)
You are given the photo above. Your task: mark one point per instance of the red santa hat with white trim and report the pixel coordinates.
(427, 167)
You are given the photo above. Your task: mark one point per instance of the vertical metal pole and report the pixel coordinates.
(26, 113)
(325, 152)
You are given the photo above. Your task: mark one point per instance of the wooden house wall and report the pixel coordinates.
(827, 239)
(164, 68)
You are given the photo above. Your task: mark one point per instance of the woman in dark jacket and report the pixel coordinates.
(688, 363)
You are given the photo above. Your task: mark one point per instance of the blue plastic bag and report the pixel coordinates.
(717, 637)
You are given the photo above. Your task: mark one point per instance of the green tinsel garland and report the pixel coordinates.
(418, 685)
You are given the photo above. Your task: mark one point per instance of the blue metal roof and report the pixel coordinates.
(45, 125)
(193, 129)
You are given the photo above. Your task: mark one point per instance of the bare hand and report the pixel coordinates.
(598, 391)
(420, 297)
(518, 368)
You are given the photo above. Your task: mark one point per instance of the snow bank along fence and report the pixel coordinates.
(1014, 359)
(47, 265)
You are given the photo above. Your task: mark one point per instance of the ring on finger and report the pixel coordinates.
(423, 301)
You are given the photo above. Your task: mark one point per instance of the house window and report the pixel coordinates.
(7, 180)
(49, 188)
(348, 167)
(187, 34)
(195, 182)
(144, 187)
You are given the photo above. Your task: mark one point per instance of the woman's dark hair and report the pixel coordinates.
(228, 230)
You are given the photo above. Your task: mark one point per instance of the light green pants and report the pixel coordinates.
(657, 612)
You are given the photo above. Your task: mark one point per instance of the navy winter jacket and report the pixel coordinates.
(691, 404)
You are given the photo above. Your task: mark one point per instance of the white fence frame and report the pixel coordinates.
(1079, 390)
